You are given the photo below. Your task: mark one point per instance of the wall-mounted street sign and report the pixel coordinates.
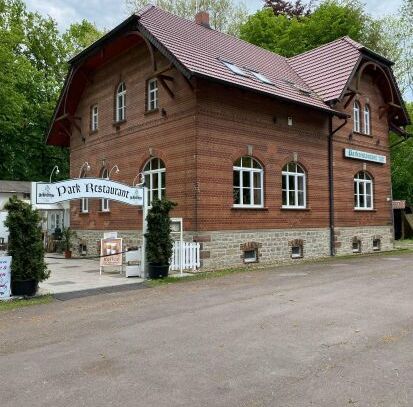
(48, 193)
(364, 156)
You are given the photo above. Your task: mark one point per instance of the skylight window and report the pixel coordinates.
(261, 77)
(235, 69)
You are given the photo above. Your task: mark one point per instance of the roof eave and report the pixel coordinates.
(327, 110)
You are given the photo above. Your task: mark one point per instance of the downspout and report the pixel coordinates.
(331, 133)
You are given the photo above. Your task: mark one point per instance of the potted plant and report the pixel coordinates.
(67, 235)
(25, 246)
(159, 243)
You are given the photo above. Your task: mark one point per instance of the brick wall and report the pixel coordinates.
(199, 133)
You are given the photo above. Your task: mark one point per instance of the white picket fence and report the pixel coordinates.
(189, 256)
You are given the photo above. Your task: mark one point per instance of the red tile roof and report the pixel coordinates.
(200, 51)
(327, 69)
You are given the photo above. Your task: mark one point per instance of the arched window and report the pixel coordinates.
(367, 120)
(121, 102)
(293, 186)
(248, 183)
(104, 203)
(154, 172)
(84, 202)
(363, 191)
(356, 117)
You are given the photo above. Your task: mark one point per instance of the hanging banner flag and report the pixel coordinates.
(49, 193)
(5, 277)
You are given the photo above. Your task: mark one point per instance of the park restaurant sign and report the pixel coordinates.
(50, 193)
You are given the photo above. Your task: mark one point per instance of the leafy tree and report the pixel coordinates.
(289, 9)
(225, 15)
(33, 57)
(288, 35)
(402, 164)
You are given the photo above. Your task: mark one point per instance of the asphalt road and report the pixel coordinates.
(332, 334)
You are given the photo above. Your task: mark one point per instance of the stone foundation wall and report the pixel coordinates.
(222, 249)
(226, 248)
(344, 237)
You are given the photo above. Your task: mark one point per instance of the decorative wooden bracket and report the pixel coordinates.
(351, 97)
(165, 86)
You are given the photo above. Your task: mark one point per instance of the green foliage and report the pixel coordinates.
(402, 164)
(225, 15)
(158, 237)
(33, 57)
(331, 19)
(67, 238)
(25, 241)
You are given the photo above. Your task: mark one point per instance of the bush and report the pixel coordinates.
(25, 241)
(159, 243)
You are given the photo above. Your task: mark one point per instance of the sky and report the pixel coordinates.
(108, 13)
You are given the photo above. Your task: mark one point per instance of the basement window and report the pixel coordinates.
(234, 68)
(356, 246)
(297, 252)
(250, 256)
(376, 245)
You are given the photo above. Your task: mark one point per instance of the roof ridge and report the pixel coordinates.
(143, 10)
(213, 30)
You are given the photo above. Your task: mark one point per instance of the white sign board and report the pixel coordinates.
(364, 155)
(48, 193)
(110, 235)
(5, 277)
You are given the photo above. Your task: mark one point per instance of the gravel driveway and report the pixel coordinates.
(338, 333)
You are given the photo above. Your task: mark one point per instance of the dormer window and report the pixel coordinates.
(356, 117)
(120, 113)
(152, 103)
(367, 120)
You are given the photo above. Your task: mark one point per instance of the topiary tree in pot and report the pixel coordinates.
(159, 243)
(25, 245)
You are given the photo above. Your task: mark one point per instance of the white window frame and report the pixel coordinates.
(377, 246)
(121, 102)
(84, 205)
(104, 203)
(361, 191)
(356, 117)
(287, 174)
(159, 190)
(94, 118)
(251, 170)
(367, 125)
(84, 202)
(152, 95)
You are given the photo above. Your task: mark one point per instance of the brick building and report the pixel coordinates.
(268, 158)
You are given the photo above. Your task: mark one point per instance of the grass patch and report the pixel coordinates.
(196, 276)
(23, 302)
